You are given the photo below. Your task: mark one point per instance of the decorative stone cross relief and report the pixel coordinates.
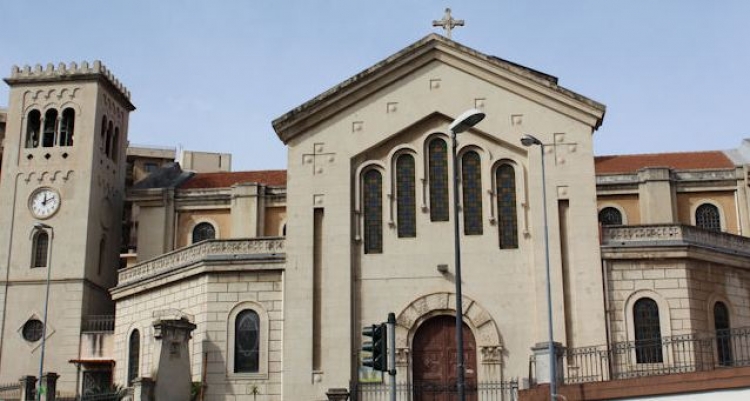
(560, 149)
(318, 158)
(448, 23)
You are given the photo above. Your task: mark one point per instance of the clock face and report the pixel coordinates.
(44, 203)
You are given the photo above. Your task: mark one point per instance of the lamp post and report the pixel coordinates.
(465, 121)
(528, 141)
(51, 233)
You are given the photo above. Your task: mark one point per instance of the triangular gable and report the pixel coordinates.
(536, 86)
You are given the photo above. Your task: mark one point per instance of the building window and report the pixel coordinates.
(723, 334)
(247, 342)
(203, 231)
(438, 171)
(40, 249)
(372, 197)
(505, 187)
(108, 140)
(32, 330)
(33, 127)
(610, 216)
(66, 127)
(647, 331)
(50, 123)
(150, 167)
(707, 217)
(102, 254)
(103, 135)
(471, 181)
(116, 144)
(406, 196)
(134, 353)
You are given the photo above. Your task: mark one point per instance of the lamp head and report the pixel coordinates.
(530, 140)
(466, 120)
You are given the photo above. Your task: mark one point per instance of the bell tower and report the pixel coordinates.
(61, 199)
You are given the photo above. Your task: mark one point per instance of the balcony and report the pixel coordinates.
(673, 235)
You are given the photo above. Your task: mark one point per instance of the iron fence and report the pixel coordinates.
(696, 352)
(10, 392)
(432, 391)
(98, 323)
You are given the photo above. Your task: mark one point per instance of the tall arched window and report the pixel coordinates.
(372, 198)
(134, 354)
(40, 249)
(33, 128)
(50, 124)
(610, 216)
(247, 342)
(108, 143)
(203, 231)
(723, 334)
(505, 187)
(471, 181)
(102, 254)
(647, 331)
(438, 178)
(115, 144)
(707, 216)
(66, 127)
(103, 134)
(406, 196)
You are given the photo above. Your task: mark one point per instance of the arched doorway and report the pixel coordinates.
(434, 361)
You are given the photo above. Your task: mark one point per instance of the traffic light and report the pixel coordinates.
(378, 347)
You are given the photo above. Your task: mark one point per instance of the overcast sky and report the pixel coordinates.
(212, 75)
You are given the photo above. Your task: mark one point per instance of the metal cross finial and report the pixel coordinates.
(448, 23)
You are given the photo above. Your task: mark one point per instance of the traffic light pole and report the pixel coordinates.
(392, 354)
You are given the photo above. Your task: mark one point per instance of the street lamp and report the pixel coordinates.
(51, 234)
(465, 121)
(528, 141)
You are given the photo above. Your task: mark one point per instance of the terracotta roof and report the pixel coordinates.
(678, 161)
(276, 178)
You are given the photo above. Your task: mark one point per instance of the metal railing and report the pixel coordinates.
(696, 352)
(98, 324)
(10, 391)
(428, 391)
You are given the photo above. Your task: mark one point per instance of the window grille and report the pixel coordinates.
(648, 347)
(41, 249)
(471, 181)
(707, 217)
(246, 342)
(406, 196)
(505, 178)
(723, 334)
(373, 211)
(203, 231)
(134, 352)
(438, 170)
(610, 216)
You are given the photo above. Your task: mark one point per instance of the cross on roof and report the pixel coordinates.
(448, 23)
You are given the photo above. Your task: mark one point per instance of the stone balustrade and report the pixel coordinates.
(675, 235)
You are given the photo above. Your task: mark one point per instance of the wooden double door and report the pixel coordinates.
(434, 361)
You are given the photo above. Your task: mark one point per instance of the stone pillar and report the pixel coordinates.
(173, 379)
(143, 389)
(49, 384)
(28, 386)
(247, 210)
(337, 394)
(542, 361)
(656, 196)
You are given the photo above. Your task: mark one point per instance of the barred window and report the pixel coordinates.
(723, 334)
(471, 181)
(707, 216)
(610, 216)
(438, 178)
(372, 197)
(647, 331)
(134, 353)
(406, 196)
(203, 231)
(505, 187)
(40, 249)
(247, 342)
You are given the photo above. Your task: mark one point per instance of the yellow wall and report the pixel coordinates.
(627, 202)
(725, 200)
(275, 216)
(220, 218)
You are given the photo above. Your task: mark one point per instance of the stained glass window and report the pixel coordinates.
(41, 247)
(134, 353)
(373, 211)
(438, 170)
(707, 216)
(610, 216)
(246, 342)
(647, 331)
(471, 180)
(406, 196)
(203, 231)
(723, 334)
(505, 182)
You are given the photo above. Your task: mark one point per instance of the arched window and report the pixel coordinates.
(471, 181)
(247, 342)
(203, 231)
(103, 134)
(115, 145)
(40, 249)
(438, 178)
(610, 216)
(66, 127)
(108, 143)
(50, 123)
(33, 127)
(134, 353)
(505, 187)
(723, 334)
(707, 217)
(406, 196)
(647, 331)
(372, 198)
(102, 254)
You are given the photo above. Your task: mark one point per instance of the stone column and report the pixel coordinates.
(143, 389)
(28, 385)
(542, 361)
(49, 384)
(337, 394)
(247, 210)
(173, 379)
(656, 196)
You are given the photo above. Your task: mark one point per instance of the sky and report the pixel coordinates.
(213, 75)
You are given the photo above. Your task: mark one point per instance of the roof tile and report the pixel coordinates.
(276, 178)
(678, 161)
